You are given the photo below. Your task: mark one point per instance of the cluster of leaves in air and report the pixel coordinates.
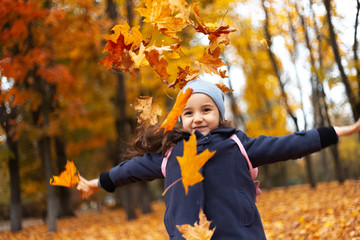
(129, 50)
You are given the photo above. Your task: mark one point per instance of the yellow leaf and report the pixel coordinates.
(200, 230)
(355, 213)
(190, 163)
(139, 59)
(68, 178)
(131, 35)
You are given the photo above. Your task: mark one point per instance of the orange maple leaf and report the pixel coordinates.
(177, 110)
(210, 62)
(158, 62)
(190, 163)
(200, 230)
(156, 59)
(217, 34)
(183, 77)
(167, 16)
(68, 178)
(132, 36)
(148, 110)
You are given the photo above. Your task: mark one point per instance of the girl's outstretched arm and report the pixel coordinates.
(87, 187)
(348, 130)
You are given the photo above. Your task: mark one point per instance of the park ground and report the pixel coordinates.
(331, 211)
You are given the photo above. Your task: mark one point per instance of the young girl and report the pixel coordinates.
(227, 193)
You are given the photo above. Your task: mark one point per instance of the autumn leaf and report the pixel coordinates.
(183, 77)
(210, 62)
(177, 110)
(216, 34)
(148, 110)
(119, 57)
(132, 36)
(190, 163)
(168, 17)
(223, 87)
(200, 230)
(119, 45)
(264, 42)
(68, 178)
(140, 58)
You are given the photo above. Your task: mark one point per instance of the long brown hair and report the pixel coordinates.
(149, 139)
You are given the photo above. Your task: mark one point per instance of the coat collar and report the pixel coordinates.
(222, 130)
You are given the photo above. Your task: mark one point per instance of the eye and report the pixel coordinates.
(187, 113)
(207, 110)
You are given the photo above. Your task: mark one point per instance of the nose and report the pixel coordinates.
(198, 117)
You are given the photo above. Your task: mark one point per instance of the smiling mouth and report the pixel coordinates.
(199, 128)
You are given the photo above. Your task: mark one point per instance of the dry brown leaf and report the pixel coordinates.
(147, 110)
(223, 87)
(183, 77)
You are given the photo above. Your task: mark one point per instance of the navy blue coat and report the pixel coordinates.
(227, 193)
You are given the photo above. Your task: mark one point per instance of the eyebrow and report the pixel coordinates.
(204, 105)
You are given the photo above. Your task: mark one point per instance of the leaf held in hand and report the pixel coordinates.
(190, 163)
(68, 178)
(177, 110)
(200, 230)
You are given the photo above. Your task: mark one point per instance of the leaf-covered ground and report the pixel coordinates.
(330, 212)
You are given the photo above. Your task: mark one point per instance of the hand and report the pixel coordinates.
(87, 188)
(348, 130)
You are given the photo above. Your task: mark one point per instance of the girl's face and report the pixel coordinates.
(200, 113)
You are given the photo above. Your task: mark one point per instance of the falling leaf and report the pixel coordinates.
(223, 87)
(148, 110)
(183, 77)
(157, 61)
(177, 110)
(216, 34)
(264, 42)
(139, 59)
(190, 163)
(168, 17)
(119, 57)
(200, 231)
(68, 178)
(210, 62)
(132, 36)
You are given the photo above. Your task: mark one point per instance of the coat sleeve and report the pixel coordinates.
(147, 167)
(266, 150)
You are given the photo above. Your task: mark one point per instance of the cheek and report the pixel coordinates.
(186, 123)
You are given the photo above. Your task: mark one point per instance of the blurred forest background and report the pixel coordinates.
(293, 65)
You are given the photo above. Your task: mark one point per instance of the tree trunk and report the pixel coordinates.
(354, 105)
(15, 192)
(145, 198)
(356, 57)
(65, 209)
(15, 198)
(277, 74)
(309, 171)
(45, 153)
